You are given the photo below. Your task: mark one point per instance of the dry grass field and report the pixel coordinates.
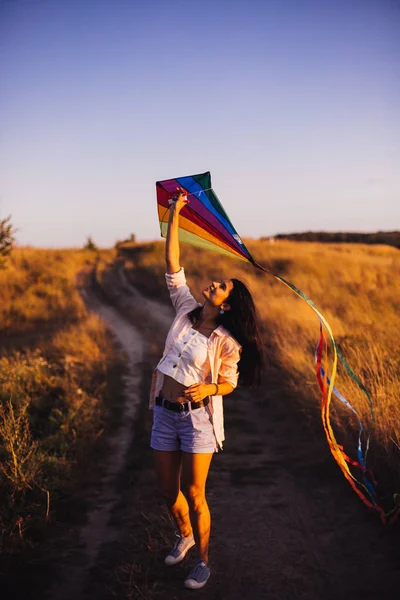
(54, 361)
(59, 371)
(356, 287)
(55, 358)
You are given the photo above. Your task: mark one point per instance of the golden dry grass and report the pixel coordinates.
(54, 362)
(38, 287)
(54, 356)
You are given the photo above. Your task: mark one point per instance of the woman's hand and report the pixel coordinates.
(179, 200)
(198, 391)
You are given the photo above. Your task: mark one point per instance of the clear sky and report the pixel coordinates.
(293, 105)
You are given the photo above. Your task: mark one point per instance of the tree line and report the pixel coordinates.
(390, 238)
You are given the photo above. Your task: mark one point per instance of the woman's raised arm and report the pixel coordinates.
(172, 243)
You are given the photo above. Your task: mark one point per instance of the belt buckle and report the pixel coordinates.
(182, 406)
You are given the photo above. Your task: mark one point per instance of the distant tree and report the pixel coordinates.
(391, 238)
(90, 245)
(130, 240)
(7, 240)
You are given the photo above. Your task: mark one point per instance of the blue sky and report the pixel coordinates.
(293, 105)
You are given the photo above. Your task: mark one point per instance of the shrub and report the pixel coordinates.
(7, 240)
(90, 245)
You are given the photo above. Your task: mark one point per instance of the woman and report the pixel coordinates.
(208, 348)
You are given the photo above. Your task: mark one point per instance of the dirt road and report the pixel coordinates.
(285, 523)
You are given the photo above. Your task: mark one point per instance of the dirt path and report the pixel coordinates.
(285, 523)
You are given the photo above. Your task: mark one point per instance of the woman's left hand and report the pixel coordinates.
(197, 392)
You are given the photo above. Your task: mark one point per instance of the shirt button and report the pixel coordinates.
(179, 354)
(174, 366)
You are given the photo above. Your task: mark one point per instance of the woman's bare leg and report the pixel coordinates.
(195, 469)
(168, 467)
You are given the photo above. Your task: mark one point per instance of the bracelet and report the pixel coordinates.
(216, 389)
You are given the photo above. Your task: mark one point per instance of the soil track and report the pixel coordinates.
(285, 523)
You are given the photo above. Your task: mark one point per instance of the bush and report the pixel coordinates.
(90, 245)
(7, 240)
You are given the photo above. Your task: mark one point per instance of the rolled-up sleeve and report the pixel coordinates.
(230, 356)
(181, 296)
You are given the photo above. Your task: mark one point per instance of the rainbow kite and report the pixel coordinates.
(204, 223)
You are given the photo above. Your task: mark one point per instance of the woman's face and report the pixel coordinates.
(218, 291)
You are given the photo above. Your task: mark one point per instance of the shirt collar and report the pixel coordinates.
(220, 330)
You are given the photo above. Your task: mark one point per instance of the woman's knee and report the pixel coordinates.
(196, 498)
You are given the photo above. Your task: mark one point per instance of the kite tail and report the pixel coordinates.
(365, 489)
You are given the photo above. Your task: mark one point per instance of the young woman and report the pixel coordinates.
(208, 348)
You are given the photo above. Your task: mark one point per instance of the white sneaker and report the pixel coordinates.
(180, 549)
(198, 576)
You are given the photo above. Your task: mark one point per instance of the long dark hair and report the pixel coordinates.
(242, 322)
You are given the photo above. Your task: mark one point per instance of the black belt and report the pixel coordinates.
(180, 406)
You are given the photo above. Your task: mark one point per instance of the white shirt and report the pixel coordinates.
(187, 361)
(223, 350)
